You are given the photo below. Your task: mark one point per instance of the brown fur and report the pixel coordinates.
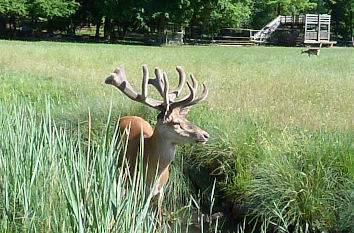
(159, 145)
(172, 128)
(133, 126)
(313, 51)
(154, 152)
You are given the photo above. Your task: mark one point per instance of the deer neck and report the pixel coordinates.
(161, 149)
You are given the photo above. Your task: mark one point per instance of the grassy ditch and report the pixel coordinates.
(281, 124)
(53, 180)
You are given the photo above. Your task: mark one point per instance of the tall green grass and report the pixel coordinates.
(281, 124)
(55, 180)
(308, 184)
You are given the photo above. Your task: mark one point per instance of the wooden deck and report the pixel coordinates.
(324, 42)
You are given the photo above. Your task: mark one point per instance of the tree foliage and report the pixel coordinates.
(158, 14)
(342, 15)
(231, 13)
(53, 8)
(42, 8)
(13, 7)
(293, 7)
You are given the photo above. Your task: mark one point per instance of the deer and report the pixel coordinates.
(172, 128)
(314, 51)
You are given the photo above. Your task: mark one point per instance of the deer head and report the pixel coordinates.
(171, 122)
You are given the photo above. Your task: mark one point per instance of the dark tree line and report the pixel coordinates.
(117, 17)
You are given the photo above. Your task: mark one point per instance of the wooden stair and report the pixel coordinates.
(261, 36)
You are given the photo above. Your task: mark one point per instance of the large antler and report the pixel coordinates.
(118, 79)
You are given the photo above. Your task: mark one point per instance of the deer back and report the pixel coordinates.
(132, 127)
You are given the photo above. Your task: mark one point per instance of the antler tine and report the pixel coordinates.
(182, 79)
(166, 87)
(190, 99)
(158, 81)
(200, 98)
(194, 81)
(145, 82)
(118, 79)
(183, 102)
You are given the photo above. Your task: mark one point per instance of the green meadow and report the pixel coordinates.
(281, 146)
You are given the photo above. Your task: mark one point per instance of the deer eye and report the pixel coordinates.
(175, 122)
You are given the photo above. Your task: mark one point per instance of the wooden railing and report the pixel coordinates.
(313, 19)
(308, 18)
(297, 19)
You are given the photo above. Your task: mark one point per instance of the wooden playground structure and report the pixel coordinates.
(312, 29)
(316, 28)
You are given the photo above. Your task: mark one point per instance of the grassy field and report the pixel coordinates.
(281, 129)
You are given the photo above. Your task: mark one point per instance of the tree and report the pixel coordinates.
(231, 13)
(9, 10)
(88, 12)
(13, 7)
(51, 9)
(126, 14)
(264, 11)
(160, 13)
(292, 7)
(342, 17)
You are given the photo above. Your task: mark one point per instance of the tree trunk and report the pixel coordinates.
(112, 33)
(161, 31)
(107, 28)
(193, 32)
(123, 33)
(74, 29)
(279, 8)
(32, 25)
(351, 26)
(98, 25)
(3, 27)
(15, 25)
(13, 28)
(71, 29)
(50, 29)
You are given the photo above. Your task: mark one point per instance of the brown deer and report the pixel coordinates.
(314, 51)
(172, 128)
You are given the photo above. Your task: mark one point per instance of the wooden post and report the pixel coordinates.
(329, 29)
(319, 28)
(305, 28)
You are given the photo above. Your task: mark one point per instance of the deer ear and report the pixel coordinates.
(183, 111)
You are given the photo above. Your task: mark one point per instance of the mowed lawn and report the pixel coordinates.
(281, 124)
(276, 84)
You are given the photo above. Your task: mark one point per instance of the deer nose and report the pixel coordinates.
(206, 135)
